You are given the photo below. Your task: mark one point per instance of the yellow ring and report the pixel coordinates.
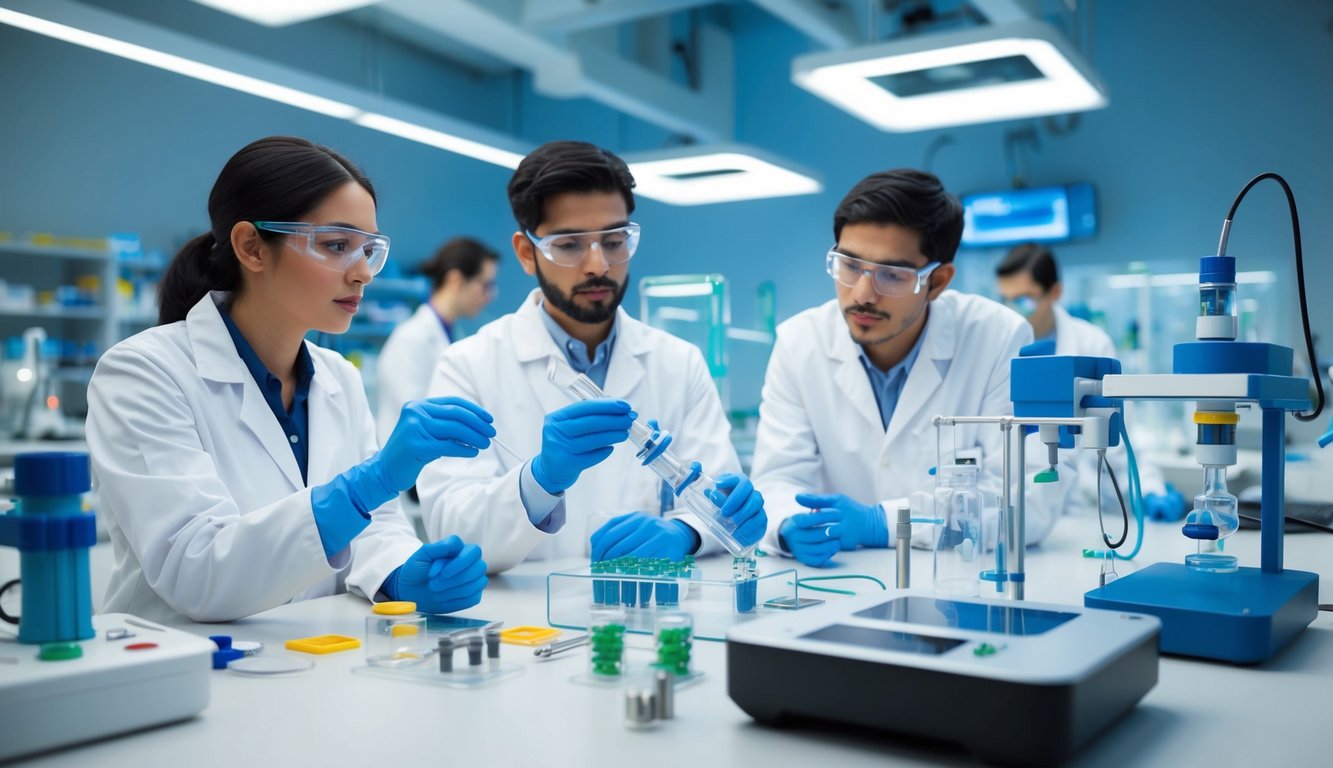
(1216, 417)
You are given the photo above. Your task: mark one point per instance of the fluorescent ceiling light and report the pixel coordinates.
(716, 174)
(344, 108)
(440, 139)
(1000, 72)
(179, 65)
(277, 13)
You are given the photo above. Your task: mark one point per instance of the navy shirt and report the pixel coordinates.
(296, 422)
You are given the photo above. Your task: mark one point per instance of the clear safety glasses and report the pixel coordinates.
(567, 250)
(888, 280)
(338, 248)
(1023, 305)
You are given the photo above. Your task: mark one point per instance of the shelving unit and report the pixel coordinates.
(90, 328)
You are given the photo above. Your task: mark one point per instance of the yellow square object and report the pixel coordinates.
(323, 644)
(394, 608)
(528, 635)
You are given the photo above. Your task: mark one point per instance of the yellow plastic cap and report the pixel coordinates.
(394, 608)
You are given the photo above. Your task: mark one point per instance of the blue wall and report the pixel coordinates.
(1204, 94)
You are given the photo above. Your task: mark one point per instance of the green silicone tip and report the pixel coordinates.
(1046, 476)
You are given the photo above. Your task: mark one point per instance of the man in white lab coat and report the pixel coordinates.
(462, 275)
(1028, 279)
(852, 385)
(572, 202)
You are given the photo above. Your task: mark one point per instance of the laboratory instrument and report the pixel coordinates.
(1211, 607)
(104, 687)
(558, 646)
(1018, 683)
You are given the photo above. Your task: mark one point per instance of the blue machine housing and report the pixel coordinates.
(1042, 386)
(1231, 357)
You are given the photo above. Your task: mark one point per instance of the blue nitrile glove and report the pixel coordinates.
(744, 506)
(805, 536)
(426, 430)
(1166, 507)
(442, 577)
(643, 535)
(578, 437)
(856, 525)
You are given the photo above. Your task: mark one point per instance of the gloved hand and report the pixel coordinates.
(578, 437)
(427, 429)
(806, 536)
(442, 577)
(856, 524)
(743, 505)
(1166, 507)
(643, 535)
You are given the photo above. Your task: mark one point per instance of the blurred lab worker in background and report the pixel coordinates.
(462, 282)
(1028, 280)
(236, 463)
(845, 432)
(572, 202)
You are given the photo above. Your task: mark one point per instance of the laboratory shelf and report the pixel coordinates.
(57, 313)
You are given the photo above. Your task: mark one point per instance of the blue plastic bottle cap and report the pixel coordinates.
(51, 473)
(1217, 269)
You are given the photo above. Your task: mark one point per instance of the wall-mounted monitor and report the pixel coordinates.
(1036, 214)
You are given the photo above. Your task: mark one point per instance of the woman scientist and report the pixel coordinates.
(237, 463)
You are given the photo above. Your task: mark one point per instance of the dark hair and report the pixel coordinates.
(912, 199)
(461, 254)
(279, 178)
(565, 166)
(1036, 260)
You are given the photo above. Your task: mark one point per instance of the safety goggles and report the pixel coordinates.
(338, 248)
(888, 280)
(1023, 305)
(567, 250)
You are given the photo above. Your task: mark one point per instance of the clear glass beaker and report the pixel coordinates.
(958, 545)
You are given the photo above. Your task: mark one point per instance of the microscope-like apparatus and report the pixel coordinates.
(1210, 606)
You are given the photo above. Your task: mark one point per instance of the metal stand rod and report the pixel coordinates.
(1272, 500)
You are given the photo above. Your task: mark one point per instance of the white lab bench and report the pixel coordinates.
(1200, 712)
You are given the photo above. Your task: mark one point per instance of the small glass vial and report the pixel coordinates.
(1217, 299)
(958, 546)
(401, 637)
(1213, 518)
(675, 641)
(606, 644)
(745, 582)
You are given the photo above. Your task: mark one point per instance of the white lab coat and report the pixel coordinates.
(208, 515)
(406, 363)
(1075, 336)
(819, 424)
(503, 368)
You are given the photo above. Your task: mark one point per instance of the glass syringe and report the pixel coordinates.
(690, 484)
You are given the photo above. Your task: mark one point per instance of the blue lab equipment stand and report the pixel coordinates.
(53, 535)
(1247, 616)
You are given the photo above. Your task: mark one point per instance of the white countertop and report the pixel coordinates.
(1200, 712)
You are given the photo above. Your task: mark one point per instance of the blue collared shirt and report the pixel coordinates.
(546, 511)
(296, 422)
(576, 352)
(888, 385)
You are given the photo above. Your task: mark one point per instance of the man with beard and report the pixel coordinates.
(844, 427)
(572, 202)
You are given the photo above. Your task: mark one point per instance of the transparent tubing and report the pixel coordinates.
(692, 486)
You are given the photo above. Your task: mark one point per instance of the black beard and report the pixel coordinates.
(599, 312)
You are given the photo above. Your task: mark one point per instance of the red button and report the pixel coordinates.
(141, 646)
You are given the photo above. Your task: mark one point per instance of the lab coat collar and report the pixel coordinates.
(932, 363)
(217, 360)
(533, 342)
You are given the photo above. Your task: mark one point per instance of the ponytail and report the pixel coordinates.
(279, 178)
(200, 267)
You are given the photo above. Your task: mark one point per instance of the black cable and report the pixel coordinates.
(1300, 277)
(1124, 511)
(5, 616)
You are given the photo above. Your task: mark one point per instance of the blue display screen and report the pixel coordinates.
(962, 614)
(1039, 214)
(865, 637)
